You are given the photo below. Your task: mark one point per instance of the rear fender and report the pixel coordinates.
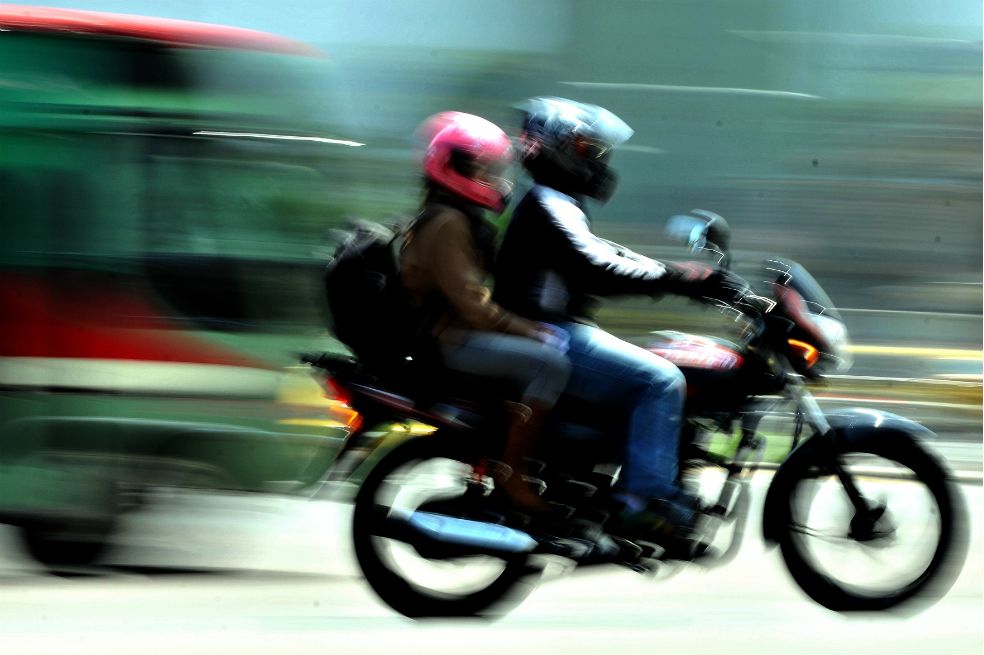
(362, 450)
(856, 428)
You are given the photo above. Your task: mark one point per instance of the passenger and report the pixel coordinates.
(443, 264)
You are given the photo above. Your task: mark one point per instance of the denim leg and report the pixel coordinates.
(538, 370)
(650, 389)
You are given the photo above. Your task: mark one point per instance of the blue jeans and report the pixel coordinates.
(538, 370)
(648, 388)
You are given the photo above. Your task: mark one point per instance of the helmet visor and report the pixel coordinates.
(592, 148)
(609, 128)
(557, 118)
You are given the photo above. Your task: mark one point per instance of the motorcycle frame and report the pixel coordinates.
(852, 427)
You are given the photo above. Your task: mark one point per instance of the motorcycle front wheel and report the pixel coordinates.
(909, 547)
(418, 472)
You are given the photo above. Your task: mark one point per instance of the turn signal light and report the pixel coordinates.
(347, 417)
(804, 350)
(336, 392)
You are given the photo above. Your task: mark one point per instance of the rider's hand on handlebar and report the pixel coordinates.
(702, 282)
(752, 304)
(724, 285)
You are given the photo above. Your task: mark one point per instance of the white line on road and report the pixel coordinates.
(670, 88)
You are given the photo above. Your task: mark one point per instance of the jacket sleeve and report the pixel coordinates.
(602, 268)
(454, 262)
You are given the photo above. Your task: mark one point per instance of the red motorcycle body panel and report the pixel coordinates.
(710, 366)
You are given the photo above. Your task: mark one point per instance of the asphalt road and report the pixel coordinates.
(195, 573)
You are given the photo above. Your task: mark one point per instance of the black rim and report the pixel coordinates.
(849, 561)
(409, 582)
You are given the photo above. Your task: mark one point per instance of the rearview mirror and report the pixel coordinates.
(702, 230)
(689, 230)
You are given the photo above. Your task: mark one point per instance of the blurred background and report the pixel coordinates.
(845, 135)
(154, 223)
(162, 244)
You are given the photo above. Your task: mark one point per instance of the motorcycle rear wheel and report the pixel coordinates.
(829, 562)
(381, 558)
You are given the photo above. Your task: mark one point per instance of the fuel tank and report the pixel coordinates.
(714, 369)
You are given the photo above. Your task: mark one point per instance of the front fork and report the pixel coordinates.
(809, 409)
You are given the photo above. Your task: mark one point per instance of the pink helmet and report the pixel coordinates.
(468, 156)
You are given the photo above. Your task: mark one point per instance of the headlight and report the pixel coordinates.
(836, 335)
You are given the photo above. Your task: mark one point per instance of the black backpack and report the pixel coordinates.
(371, 311)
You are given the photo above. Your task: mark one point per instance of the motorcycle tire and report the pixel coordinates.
(403, 595)
(948, 553)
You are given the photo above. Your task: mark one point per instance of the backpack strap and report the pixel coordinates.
(406, 232)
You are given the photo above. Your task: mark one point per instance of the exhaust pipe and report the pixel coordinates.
(436, 536)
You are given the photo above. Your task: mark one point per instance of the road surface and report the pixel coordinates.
(195, 573)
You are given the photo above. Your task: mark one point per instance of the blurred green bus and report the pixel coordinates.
(163, 191)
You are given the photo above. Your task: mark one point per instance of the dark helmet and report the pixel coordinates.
(566, 145)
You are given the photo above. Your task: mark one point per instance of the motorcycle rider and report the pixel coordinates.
(549, 267)
(443, 264)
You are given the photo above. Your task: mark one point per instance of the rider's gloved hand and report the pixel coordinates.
(708, 283)
(759, 304)
(724, 285)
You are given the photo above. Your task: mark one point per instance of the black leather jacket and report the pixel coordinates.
(550, 265)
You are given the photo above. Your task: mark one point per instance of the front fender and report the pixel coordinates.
(857, 428)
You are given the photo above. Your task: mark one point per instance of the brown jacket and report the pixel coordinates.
(443, 271)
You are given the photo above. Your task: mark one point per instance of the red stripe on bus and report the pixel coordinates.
(83, 316)
(163, 30)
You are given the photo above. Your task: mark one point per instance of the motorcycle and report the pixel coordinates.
(435, 537)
